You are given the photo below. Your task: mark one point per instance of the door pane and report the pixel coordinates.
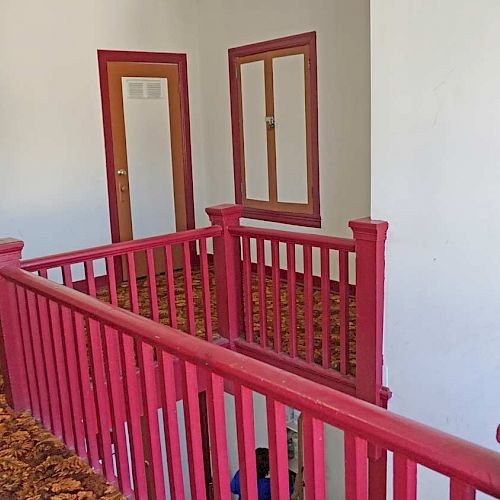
(254, 130)
(290, 131)
(147, 134)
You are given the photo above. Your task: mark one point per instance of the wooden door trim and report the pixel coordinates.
(105, 56)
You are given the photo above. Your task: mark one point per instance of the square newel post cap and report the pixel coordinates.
(10, 251)
(369, 229)
(224, 214)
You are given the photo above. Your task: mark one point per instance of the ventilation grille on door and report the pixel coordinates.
(150, 88)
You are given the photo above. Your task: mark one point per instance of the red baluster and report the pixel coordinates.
(308, 304)
(218, 440)
(34, 393)
(278, 451)
(99, 385)
(153, 295)
(261, 277)
(61, 377)
(405, 478)
(356, 471)
(132, 283)
(193, 431)
(205, 290)
(325, 308)
(134, 411)
(90, 278)
(80, 399)
(49, 361)
(243, 398)
(114, 374)
(188, 287)
(169, 411)
(314, 458)
(292, 299)
(150, 405)
(39, 363)
(276, 281)
(110, 271)
(247, 289)
(344, 311)
(169, 270)
(461, 491)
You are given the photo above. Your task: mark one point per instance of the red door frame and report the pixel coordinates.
(105, 56)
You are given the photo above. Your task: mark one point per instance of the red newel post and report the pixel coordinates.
(370, 236)
(11, 351)
(227, 263)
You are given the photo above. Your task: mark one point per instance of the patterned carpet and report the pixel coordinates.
(181, 306)
(35, 465)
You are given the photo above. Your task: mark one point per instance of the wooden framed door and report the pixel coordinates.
(145, 99)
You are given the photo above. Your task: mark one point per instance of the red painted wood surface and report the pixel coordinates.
(405, 478)
(369, 236)
(461, 491)
(471, 466)
(169, 271)
(170, 425)
(218, 439)
(117, 249)
(47, 353)
(188, 289)
(292, 311)
(326, 338)
(227, 262)
(308, 303)
(314, 456)
(153, 295)
(28, 353)
(205, 283)
(278, 457)
(243, 400)
(247, 290)
(344, 311)
(276, 284)
(356, 474)
(193, 430)
(114, 374)
(315, 240)
(261, 287)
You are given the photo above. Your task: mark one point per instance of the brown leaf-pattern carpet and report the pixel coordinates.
(36, 465)
(181, 309)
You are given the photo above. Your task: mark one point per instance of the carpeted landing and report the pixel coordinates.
(35, 465)
(182, 324)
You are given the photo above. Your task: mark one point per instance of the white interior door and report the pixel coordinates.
(149, 156)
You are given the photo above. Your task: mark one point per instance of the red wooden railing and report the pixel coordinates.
(149, 263)
(258, 335)
(92, 372)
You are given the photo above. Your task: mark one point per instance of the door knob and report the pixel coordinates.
(121, 172)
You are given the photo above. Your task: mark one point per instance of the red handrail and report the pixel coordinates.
(315, 240)
(114, 249)
(469, 463)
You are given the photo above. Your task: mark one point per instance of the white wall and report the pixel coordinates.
(436, 178)
(52, 168)
(343, 93)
